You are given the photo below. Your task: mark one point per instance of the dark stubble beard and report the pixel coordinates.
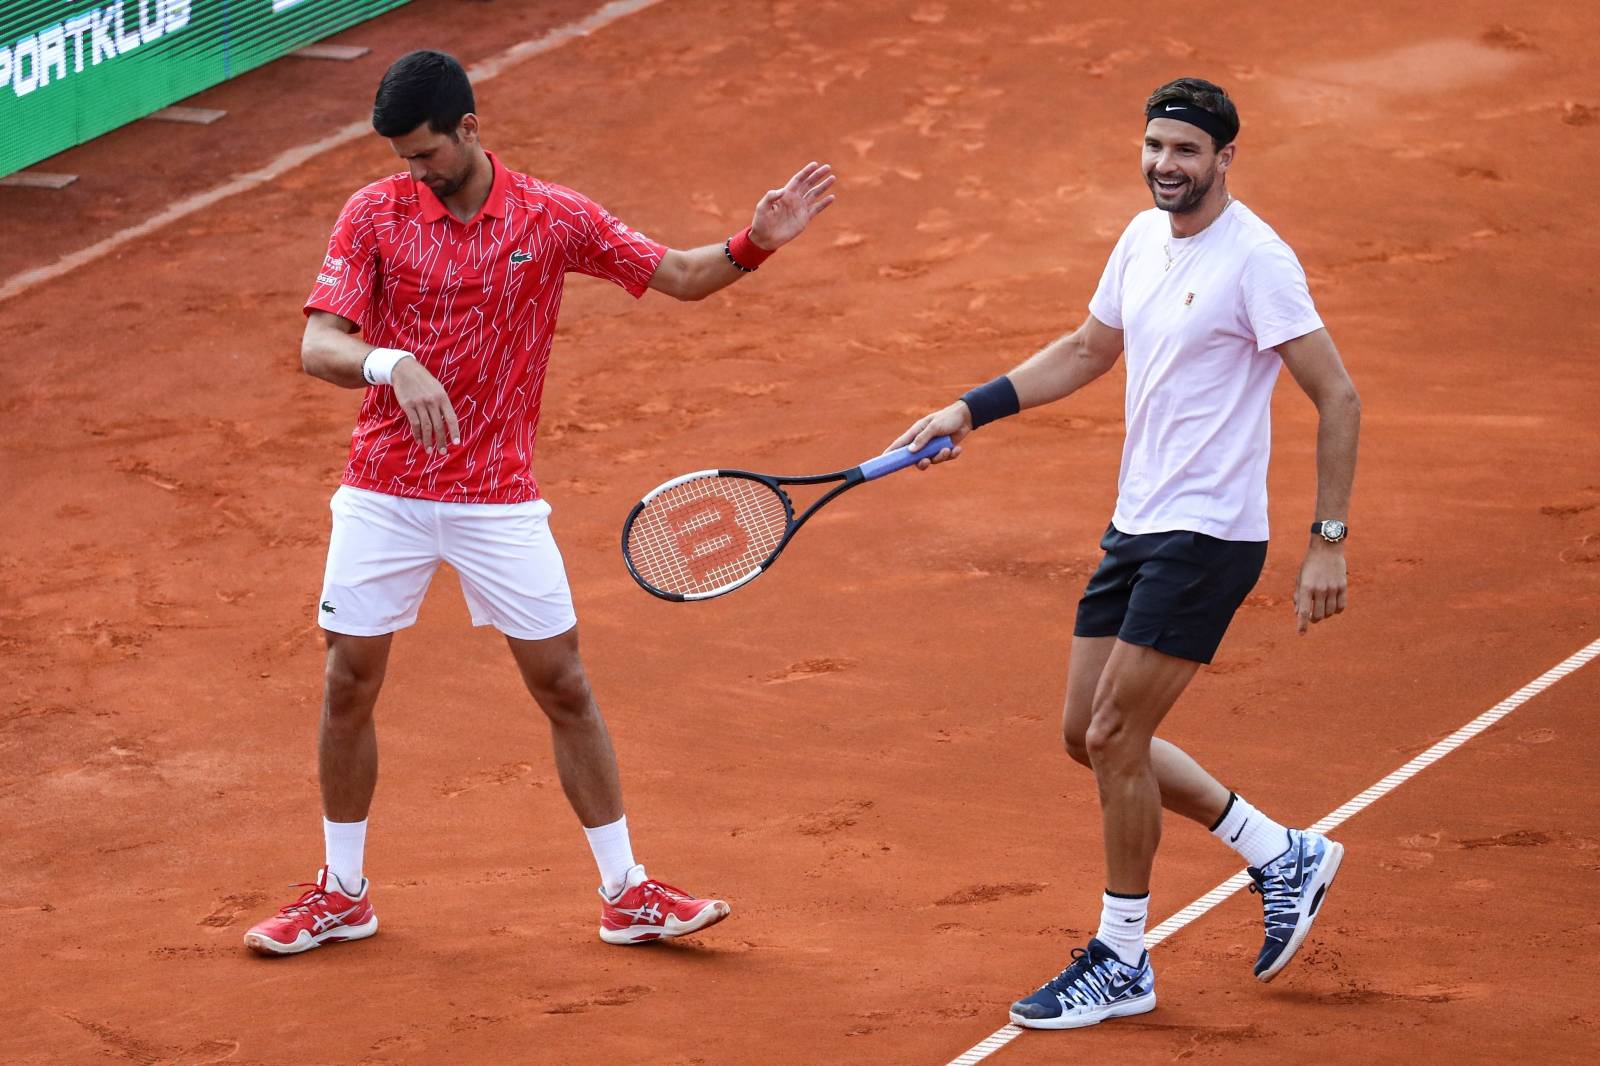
(452, 187)
(1197, 193)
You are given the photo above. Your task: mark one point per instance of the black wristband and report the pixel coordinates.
(991, 401)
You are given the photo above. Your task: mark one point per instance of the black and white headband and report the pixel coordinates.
(1194, 116)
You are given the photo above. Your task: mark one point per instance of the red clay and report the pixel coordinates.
(859, 751)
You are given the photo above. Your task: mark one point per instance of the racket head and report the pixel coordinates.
(704, 534)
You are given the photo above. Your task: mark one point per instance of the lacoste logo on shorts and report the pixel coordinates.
(328, 608)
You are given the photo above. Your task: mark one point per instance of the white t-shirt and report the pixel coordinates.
(1199, 318)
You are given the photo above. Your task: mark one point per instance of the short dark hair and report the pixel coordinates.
(1205, 95)
(422, 87)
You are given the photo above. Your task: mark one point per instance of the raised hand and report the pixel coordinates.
(782, 214)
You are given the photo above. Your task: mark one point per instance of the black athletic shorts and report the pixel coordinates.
(1174, 592)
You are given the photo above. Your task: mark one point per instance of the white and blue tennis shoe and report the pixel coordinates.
(1097, 985)
(1292, 888)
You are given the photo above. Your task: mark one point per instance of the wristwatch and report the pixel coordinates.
(1333, 531)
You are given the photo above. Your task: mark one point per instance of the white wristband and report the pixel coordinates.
(378, 367)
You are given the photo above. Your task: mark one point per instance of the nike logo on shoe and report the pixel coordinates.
(1298, 877)
(1114, 988)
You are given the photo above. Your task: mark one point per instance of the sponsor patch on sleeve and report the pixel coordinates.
(332, 270)
(626, 232)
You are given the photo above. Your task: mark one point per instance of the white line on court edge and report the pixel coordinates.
(481, 72)
(1003, 1036)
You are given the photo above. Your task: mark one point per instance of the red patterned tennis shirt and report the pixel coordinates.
(476, 303)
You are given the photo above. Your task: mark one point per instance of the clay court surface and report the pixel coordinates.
(859, 751)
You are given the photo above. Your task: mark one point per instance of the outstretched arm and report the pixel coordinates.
(780, 217)
(1315, 364)
(1057, 370)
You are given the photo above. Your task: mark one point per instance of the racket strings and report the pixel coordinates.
(705, 533)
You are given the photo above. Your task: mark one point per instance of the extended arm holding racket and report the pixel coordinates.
(704, 534)
(780, 217)
(1057, 370)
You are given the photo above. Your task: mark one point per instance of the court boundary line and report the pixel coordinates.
(1009, 1032)
(290, 158)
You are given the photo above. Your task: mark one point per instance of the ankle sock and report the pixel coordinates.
(1249, 832)
(1122, 920)
(613, 853)
(345, 844)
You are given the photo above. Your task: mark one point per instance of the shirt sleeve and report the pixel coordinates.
(349, 273)
(602, 246)
(1106, 304)
(1277, 300)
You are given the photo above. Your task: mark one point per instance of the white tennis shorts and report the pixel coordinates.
(384, 550)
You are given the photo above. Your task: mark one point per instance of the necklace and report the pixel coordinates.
(1166, 246)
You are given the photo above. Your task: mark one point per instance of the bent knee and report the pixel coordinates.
(1076, 742)
(1111, 738)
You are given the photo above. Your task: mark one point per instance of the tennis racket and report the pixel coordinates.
(707, 533)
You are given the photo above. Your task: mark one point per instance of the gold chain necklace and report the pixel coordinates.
(1166, 246)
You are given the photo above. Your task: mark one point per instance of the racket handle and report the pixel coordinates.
(901, 458)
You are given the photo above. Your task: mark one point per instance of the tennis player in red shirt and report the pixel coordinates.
(439, 296)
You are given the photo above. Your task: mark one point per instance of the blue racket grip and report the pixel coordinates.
(901, 458)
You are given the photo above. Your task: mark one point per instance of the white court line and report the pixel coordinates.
(1003, 1036)
(481, 72)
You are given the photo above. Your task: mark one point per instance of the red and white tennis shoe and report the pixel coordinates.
(649, 910)
(324, 914)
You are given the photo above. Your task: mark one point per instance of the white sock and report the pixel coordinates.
(1122, 925)
(613, 853)
(1249, 832)
(345, 843)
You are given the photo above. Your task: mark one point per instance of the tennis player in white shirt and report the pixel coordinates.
(1207, 302)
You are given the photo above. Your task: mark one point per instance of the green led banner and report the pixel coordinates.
(73, 69)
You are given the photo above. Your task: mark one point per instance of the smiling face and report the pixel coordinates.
(440, 161)
(1181, 164)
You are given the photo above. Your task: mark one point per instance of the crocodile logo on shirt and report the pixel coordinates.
(328, 608)
(521, 256)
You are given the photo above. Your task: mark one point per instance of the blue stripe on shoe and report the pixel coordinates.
(1096, 985)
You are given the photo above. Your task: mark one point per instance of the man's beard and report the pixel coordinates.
(450, 188)
(1196, 193)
